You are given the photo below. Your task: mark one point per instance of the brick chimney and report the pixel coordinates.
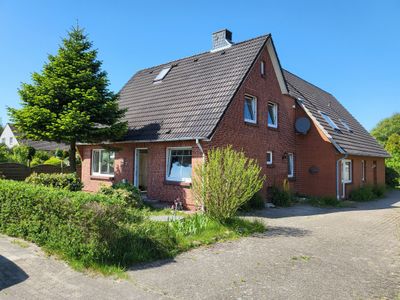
(221, 40)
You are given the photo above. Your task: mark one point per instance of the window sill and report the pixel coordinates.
(273, 128)
(251, 123)
(102, 177)
(178, 183)
(270, 166)
(292, 178)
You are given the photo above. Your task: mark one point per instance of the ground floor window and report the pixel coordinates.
(179, 164)
(346, 171)
(290, 157)
(103, 162)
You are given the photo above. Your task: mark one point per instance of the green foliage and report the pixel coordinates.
(326, 201)
(75, 225)
(225, 182)
(63, 181)
(54, 161)
(96, 231)
(385, 128)
(69, 100)
(387, 132)
(22, 154)
(40, 157)
(5, 153)
(123, 192)
(367, 193)
(255, 202)
(281, 197)
(392, 177)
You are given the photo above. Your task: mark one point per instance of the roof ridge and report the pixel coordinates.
(308, 82)
(202, 53)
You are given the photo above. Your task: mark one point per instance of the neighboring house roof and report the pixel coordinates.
(191, 99)
(39, 145)
(358, 141)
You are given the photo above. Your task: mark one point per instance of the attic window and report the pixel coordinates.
(162, 74)
(330, 121)
(345, 125)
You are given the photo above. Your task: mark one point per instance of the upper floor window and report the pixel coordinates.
(272, 115)
(11, 140)
(262, 68)
(290, 158)
(346, 171)
(329, 121)
(269, 157)
(179, 164)
(250, 109)
(103, 162)
(3, 140)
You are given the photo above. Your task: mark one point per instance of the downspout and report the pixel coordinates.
(338, 177)
(204, 160)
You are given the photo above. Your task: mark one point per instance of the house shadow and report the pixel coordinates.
(148, 132)
(390, 201)
(10, 273)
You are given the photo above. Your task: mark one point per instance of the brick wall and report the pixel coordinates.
(257, 139)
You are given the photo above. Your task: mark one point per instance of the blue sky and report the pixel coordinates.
(349, 48)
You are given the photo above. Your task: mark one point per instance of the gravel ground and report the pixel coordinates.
(307, 253)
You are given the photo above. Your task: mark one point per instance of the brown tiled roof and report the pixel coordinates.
(191, 99)
(316, 100)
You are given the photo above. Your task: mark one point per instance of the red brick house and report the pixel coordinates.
(235, 94)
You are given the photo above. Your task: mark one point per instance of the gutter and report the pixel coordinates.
(337, 177)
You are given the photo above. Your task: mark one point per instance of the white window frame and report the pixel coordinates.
(329, 120)
(363, 170)
(254, 106)
(275, 106)
(290, 157)
(162, 74)
(269, 162)
(350, 180)
(262, 68)
(168, 160)
(99, 173)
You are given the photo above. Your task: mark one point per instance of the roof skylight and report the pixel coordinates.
(162, 74)
(345, 125)
(329, 121)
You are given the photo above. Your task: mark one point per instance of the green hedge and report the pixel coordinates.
(124, 192)
(76, 225)
(58, 180)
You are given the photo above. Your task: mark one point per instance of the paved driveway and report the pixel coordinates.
(307, 253)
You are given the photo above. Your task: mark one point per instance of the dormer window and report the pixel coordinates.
(330, 121)
(162, 74)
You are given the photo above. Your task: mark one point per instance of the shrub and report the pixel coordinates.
(255, 202)
(367, 193)
(55, 161)
(379, 190)
(225, 181)
(75, 225)
(326, 201)
(392, 177)
(281, 197)
(123, 192)
(63, 181)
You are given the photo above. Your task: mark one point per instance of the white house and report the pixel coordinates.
(8, 138)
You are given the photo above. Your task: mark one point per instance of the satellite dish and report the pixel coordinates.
(303, 125)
